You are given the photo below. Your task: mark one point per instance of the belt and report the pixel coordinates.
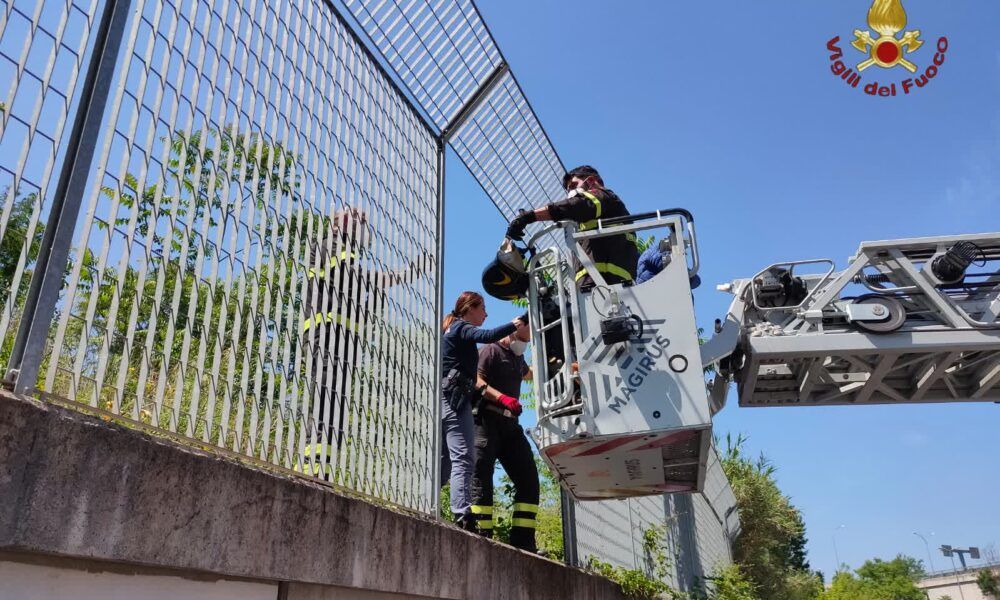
(503, 412)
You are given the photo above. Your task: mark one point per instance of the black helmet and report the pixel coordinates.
(581, 171)
(505, 278)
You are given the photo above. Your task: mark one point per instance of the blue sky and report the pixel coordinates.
(733, 113)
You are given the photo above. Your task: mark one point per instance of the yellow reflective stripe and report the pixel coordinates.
(527, 523)
(484, 524)
(315, 469)
(330, 317)
(310, 273)
(596, 202)
(482, 510)
(314, 466)
(524, 507)
(607, 268)
(597, 209)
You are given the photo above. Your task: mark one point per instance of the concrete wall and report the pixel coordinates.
(960, 586)
(77, 488)
(22, 578)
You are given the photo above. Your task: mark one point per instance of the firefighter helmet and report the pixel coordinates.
(505, 277)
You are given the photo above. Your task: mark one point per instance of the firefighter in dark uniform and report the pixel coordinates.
(340, 297)
(499, 436)
(587, 201)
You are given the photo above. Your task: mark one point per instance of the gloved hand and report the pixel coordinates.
(510, 404)
(515, 230)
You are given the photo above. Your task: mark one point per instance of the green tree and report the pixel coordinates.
(770, 548)
(143, 312)
(989, 583)
(729, 583)
(878, 579)
(208, 176)
(20, 242)
(796, 552)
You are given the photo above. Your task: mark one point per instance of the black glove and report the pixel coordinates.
(516, 229)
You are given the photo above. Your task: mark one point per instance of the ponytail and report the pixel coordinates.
(466, 301)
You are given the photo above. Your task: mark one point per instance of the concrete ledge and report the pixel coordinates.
(75, 486)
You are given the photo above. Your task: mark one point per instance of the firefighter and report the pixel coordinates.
(499, 436)
(587, 200)
(340, 296)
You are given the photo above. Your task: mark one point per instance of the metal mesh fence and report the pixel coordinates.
(693, 531)
(444, 53)
(504, 146)
(254, 262)
(43, 48)
(442, 50)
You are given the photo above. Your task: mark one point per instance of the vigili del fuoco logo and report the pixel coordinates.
(892, 51)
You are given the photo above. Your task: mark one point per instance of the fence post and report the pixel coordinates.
(568, 510)
(439, 317)
(461, 116)
(46, 281)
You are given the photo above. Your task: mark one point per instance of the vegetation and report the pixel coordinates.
(634, 583)
(147, 294)
(643, 584)
(730, 583)
(770, 549)
(879, 580)
(989, 583)
(727, 583)
(548, 534)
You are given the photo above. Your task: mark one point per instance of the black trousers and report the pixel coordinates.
(334, 348)
(502, 438)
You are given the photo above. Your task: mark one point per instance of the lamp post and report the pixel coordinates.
(836, 554)
(928, 548)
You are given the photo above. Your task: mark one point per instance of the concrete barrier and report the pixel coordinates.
(74, 487)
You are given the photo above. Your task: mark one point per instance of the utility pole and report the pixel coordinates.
(928, 548)
(836, 554)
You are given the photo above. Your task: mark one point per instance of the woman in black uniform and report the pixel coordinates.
(459, 360)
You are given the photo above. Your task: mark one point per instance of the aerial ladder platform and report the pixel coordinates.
(619, 382)
(626, 389)
(908, 321)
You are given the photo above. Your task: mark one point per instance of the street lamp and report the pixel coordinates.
(928, 548)
(836, 554)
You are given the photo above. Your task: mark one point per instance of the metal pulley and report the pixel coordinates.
(889, 314)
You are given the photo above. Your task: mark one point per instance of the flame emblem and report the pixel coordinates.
(887, 18)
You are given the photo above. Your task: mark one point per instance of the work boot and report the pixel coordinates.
(466, 521)
(523, 540)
